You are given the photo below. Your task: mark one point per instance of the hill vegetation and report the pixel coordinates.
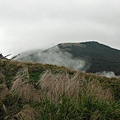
(97, 57)
(101, 57)
(34, 91)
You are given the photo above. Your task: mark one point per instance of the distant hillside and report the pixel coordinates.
(87, 56)
(101, 57)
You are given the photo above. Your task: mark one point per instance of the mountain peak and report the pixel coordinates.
(89, 56)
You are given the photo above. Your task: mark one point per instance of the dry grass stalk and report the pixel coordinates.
(22, 88)
(25, 90)
(24, 74)
(28, 93)
(27, 113)
(37, 95)
(95, 89)
(16, 85)
(3, 91)
(95, 115)
(20, 79)
(5, 109)
(56, 85)
(2, 78)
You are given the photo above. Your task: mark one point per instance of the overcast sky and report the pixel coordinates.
(38, 24)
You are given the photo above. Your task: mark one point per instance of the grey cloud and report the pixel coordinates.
(43, 23)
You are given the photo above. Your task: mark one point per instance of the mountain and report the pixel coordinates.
(101, 57)
(87, 56)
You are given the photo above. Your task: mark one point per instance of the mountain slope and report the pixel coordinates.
(88, 56)
(101, 57)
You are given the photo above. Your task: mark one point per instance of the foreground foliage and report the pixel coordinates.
(44, 92)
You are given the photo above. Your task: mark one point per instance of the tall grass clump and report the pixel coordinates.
(27, 113)
(74, 97)
(72, 86)
(57, 96)
(23, 88)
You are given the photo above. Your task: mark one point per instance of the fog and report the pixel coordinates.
(56, 56)
(41, 24)
(108, 74)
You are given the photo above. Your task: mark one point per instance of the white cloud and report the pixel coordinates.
(29, 24)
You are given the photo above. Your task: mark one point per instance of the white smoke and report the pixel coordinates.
(58, 57)
(108, 74)
(55, 56)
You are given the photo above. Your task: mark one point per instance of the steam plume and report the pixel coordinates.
(59, 57)
(62, 58)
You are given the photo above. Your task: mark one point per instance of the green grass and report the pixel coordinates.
(84, 108)
(58, 94)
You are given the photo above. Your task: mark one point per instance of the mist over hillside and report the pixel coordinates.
(56, 56)
(87, 56)
(28, 55)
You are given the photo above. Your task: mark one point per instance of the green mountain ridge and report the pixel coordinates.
(97, 57)
(101, 57)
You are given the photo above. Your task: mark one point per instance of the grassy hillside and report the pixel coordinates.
(34, 91)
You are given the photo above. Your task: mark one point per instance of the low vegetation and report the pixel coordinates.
(34, 91)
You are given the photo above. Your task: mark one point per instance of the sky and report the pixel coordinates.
(40, 24)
